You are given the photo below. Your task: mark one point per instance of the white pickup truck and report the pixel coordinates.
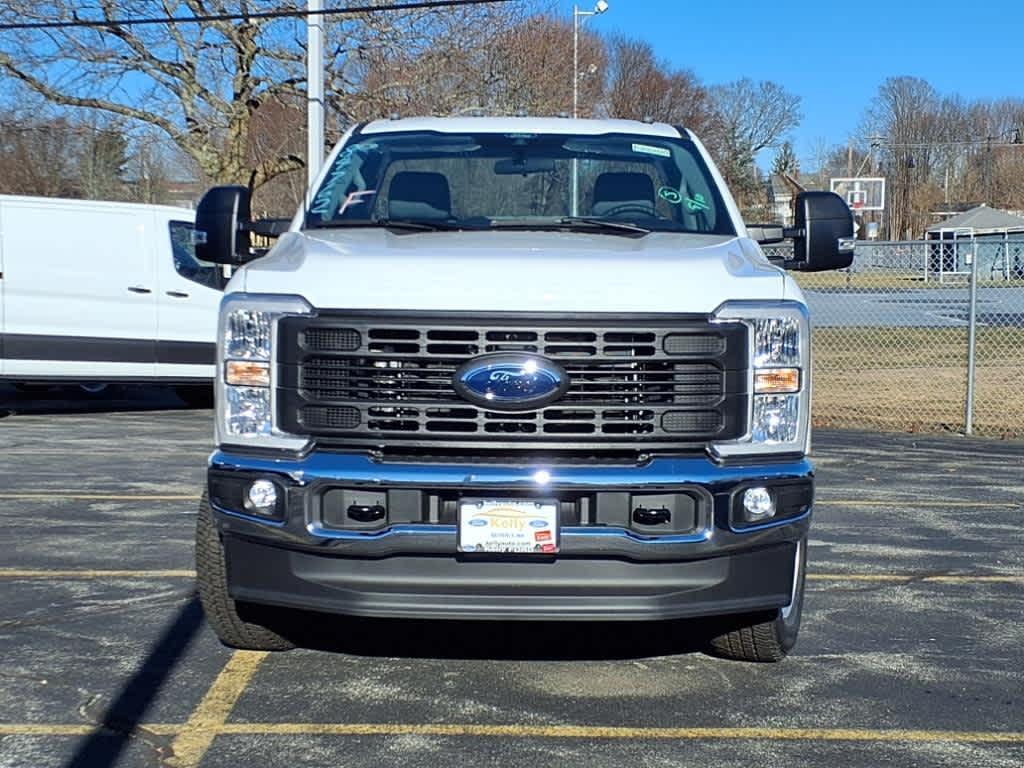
(513, 368)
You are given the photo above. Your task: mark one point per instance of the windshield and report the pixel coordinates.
(529, 181)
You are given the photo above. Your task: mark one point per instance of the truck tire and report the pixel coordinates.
(221, 610)
(770, 639)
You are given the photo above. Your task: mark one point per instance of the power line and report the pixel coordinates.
(281, 14)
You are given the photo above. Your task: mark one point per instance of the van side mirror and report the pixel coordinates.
(221, 235)
(822, 233)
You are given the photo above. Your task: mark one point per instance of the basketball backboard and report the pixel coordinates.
(861, 193)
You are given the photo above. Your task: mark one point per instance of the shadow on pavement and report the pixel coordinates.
(493, 640)
(115, 398)
(122, 719)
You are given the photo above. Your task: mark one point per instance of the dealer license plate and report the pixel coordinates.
(511, 526)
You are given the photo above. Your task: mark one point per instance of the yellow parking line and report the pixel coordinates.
(15, 573)
(209, 717)
(614, 732)
(945, 504)
(907, 577)
(194, 738)
(895, 578)
(59, 495)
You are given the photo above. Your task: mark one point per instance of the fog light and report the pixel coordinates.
(261, 497)
(758, 504)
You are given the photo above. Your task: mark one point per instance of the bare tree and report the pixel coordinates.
(749, 117)
(203, 84)
(906, 112)
(200, 84)
(36, 158)
(506, 63)
(62, 157)
(644, 87)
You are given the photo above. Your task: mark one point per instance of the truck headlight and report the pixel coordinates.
(246, 343)
(780, 380)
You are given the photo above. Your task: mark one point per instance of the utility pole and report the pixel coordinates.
(577, 15)
(314, 92)
(988, 170)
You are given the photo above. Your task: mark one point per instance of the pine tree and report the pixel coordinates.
(785, 161)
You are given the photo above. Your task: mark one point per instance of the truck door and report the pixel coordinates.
(187, 302)
(79, 286)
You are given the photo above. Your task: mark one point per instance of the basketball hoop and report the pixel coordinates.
(862, 195)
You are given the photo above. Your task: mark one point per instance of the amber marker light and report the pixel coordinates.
(247, 373)
(777, 381)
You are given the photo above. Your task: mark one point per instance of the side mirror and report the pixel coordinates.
(221, 235)
(766, 234)
(823, 233)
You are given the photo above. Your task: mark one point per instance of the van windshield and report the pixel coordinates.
(424, 180)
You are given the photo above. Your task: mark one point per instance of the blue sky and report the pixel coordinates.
(833, 55)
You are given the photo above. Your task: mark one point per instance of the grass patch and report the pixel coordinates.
(915, 379)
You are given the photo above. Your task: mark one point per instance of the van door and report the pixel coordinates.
(1, 288)
(79, 290)
(187, 302)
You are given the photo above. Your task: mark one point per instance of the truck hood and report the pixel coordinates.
(514, 271)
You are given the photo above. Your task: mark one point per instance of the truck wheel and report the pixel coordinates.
(767, 639)
(221, 610)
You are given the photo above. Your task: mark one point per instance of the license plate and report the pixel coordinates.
(508, 526)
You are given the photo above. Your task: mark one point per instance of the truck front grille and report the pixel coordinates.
(636, 383)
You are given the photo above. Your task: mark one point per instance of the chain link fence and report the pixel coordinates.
(921, 336)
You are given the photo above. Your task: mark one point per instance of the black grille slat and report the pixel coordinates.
(663, 384)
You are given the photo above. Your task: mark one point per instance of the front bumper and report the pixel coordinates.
(608, 568)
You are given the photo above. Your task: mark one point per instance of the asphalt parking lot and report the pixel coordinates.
(911, 652)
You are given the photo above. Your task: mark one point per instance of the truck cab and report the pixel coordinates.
(514, 368)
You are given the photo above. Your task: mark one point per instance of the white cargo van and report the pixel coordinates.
(100, 292)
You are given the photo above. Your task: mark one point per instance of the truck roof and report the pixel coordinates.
(556, 125)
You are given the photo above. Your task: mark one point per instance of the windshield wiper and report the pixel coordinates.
(617, 226)
(405, 225)
(575, 223)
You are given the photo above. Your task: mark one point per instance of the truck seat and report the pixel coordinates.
(419, 195)
(613, 190)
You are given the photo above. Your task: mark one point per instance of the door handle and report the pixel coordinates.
(178, 294)
(138, 289)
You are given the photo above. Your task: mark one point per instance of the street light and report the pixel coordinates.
(577, 15)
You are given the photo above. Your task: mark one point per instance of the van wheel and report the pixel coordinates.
(195, 396)
(221, 610)
(766, 639)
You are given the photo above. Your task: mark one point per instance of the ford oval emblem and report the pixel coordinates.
(510, 382)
